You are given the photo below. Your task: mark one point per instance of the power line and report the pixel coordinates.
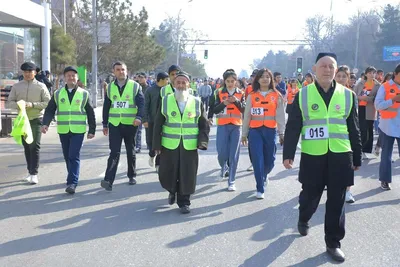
(246, 42)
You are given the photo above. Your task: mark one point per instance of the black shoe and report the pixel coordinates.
(336, 254)
(185, 209)
(385, 186)
(132, 181)
(70, 189)
(171, 198)
(106, 185)
(303, 228)
(227, 174)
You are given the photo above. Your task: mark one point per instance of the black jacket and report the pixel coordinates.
(139, 101)
(151, 102)
(52, 108)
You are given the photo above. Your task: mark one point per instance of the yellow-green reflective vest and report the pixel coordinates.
(179, 126)
(194, 87)
(325, 128)
(166, 90)
(71, 116)
(123, 108)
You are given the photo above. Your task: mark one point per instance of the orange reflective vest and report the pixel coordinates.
(391, 90)
(231, 114)
(291, 93)
(263, 109)
(249, 89)
(366, 91)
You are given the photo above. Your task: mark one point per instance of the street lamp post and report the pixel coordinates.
(94, 54)
(178, 38)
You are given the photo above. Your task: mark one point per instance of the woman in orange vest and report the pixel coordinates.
(291, 93)
(342, 77)
(229, 106)
(264, 113)
(366, 91)
(309, 79)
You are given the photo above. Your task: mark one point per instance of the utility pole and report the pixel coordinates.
(64, 18)
(357, 39)
(94, 54)
(179, 38)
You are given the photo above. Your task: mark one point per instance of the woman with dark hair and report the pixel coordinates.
(229, 106)
(342, 77)
(309, 79)
(264, 112)
(291, 93)
(366, 91)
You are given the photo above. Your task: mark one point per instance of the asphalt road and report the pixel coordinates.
(134, 226)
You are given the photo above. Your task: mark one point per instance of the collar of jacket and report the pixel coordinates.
(225, 90)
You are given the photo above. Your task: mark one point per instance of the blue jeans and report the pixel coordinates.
(71, 145)
(385, 166)
(139, 137)
(228, 148)
(263, 149)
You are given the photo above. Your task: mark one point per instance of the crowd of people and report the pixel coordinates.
(329, 116)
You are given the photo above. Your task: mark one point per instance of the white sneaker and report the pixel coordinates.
(28, 178)
(232, 187)
(364, 156)
(151, 161)
(349, 197)
(34, 179)
(250, 169)
(157, 168)
(260, 195)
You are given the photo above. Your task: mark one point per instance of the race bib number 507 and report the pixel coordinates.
(121, 104)
(318, 132)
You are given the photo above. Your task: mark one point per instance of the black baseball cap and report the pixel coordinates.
(28, 66)
(70, 68)
(173, 68)
(162, 75)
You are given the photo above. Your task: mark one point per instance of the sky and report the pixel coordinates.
(248, 20)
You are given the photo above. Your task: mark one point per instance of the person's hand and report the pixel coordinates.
(232, 99)
(226, 102)
(288, 163)
(210, 122)
(244, 141)
(158, 152)
(281, 139)
(28, 105)
(44, 129)
(356, 168)
(105, 131)
(396, 98)
(146, 124)
(90, 136)
(137, 122)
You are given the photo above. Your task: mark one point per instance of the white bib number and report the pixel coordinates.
(318, 132)
(121, 104)
(257, 111)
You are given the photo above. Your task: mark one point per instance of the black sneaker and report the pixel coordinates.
(132, 181)
(226, 174)
(106, 185)
(385, 186)
(303, 227)
(185, 209)
(70, 189)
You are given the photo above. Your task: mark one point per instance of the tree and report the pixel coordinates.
(389, 34)
(63, 49)
(130, 41)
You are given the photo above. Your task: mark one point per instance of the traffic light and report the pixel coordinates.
(299, 64)
(205, 54)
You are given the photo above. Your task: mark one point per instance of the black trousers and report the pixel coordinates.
(309, 199)
(367, 130)
(116, 134)
(32, 150)
(181, 200)
(149, 141)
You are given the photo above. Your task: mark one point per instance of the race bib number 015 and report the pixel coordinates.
(257, 111)
(319, 132)
(121, 104)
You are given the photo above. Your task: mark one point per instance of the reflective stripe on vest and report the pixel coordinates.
(331, 121)
(71, 116)
(125, 115)
(179, 126)
(231, 114)
(166, 90)
(391, 90)
(263, 109)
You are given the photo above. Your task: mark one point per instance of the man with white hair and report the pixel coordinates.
(325, 114)
(180, 128)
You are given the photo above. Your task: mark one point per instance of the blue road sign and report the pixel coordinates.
(391, 53)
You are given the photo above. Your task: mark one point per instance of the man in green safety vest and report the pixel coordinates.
(72, 106)
(193, 86)
(168, 89)
(180, 128)
(324, 113)
(122, 114)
